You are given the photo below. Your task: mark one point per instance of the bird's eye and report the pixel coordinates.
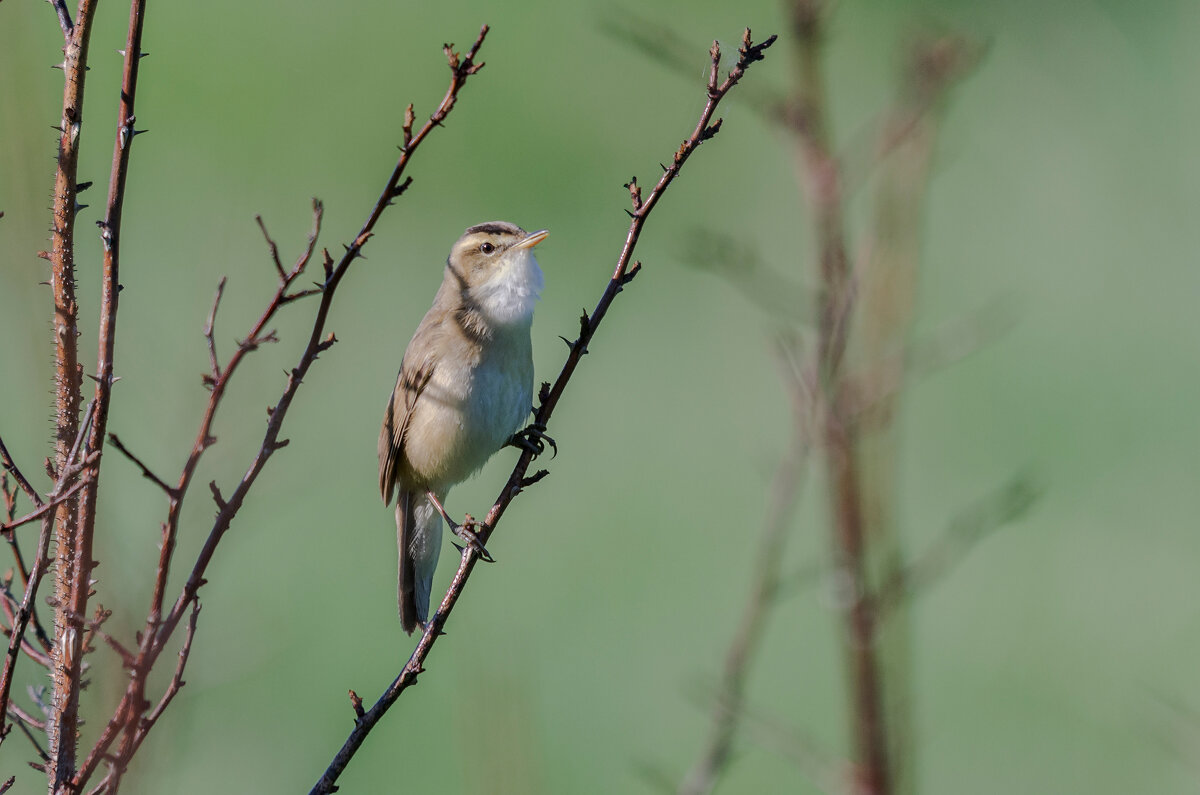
(486, 248)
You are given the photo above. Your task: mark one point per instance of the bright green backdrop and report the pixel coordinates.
(1051, 661)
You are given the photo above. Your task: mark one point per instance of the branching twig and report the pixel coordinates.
(625, 271)
(130, 721)
(11, 468)
(115, 441)
(75, 464)
(39, 512)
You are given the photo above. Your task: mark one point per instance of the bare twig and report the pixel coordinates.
(128, 722)
(75, 464)
(210, 379)
(37, 513)
(64, 17)
(14, 544)
(11, 468)
(115, 441)
(624, 272)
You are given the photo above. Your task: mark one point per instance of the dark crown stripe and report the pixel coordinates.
(496, 228)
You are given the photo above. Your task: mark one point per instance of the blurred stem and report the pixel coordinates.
(731, 694)
(840, 431)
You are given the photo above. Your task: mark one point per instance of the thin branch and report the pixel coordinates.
(14, 544)
(125, 721)
(115, 441)
(549, 397)
(41, 563)
(33, 740)
(113, 779)
(22, 715)
(12, 469)
(64, 17)
(213, 363)
(809, 118)
(39, 512)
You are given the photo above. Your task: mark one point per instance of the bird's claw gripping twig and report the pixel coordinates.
(533, 439)
(463, 530)
(468, 535)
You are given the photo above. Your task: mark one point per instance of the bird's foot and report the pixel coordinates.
(533, 439)
(463, 530)
(468, 535)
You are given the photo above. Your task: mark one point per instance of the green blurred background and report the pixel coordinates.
(1053, 660)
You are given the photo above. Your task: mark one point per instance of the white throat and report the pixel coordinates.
(509, 296)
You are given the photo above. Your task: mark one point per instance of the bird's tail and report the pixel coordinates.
(419, 537)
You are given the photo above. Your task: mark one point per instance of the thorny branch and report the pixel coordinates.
(549, 396)
(68, 392)
(77, 522)
(134, 717)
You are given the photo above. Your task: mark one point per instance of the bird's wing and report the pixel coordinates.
(409, 384)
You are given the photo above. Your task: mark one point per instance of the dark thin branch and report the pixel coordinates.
(115, 441)
(213, 363)
(272, 247)
(128, 720)
(11, 467)
(64, 17)
(14, 544)
(33, 740)
(624, 272)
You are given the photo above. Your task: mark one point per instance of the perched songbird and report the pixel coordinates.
(465, 388)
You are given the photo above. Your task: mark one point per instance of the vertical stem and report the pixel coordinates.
(808, 116)
(62, 723)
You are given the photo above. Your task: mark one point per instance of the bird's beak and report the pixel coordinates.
(533, 239)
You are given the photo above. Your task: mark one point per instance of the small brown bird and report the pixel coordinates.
(465, 388)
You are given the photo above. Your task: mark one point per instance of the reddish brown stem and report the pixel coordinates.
(839, 433)
(61, 727)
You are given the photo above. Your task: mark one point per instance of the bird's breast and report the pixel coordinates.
(469, 409)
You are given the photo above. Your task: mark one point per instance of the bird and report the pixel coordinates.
(464, 390)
